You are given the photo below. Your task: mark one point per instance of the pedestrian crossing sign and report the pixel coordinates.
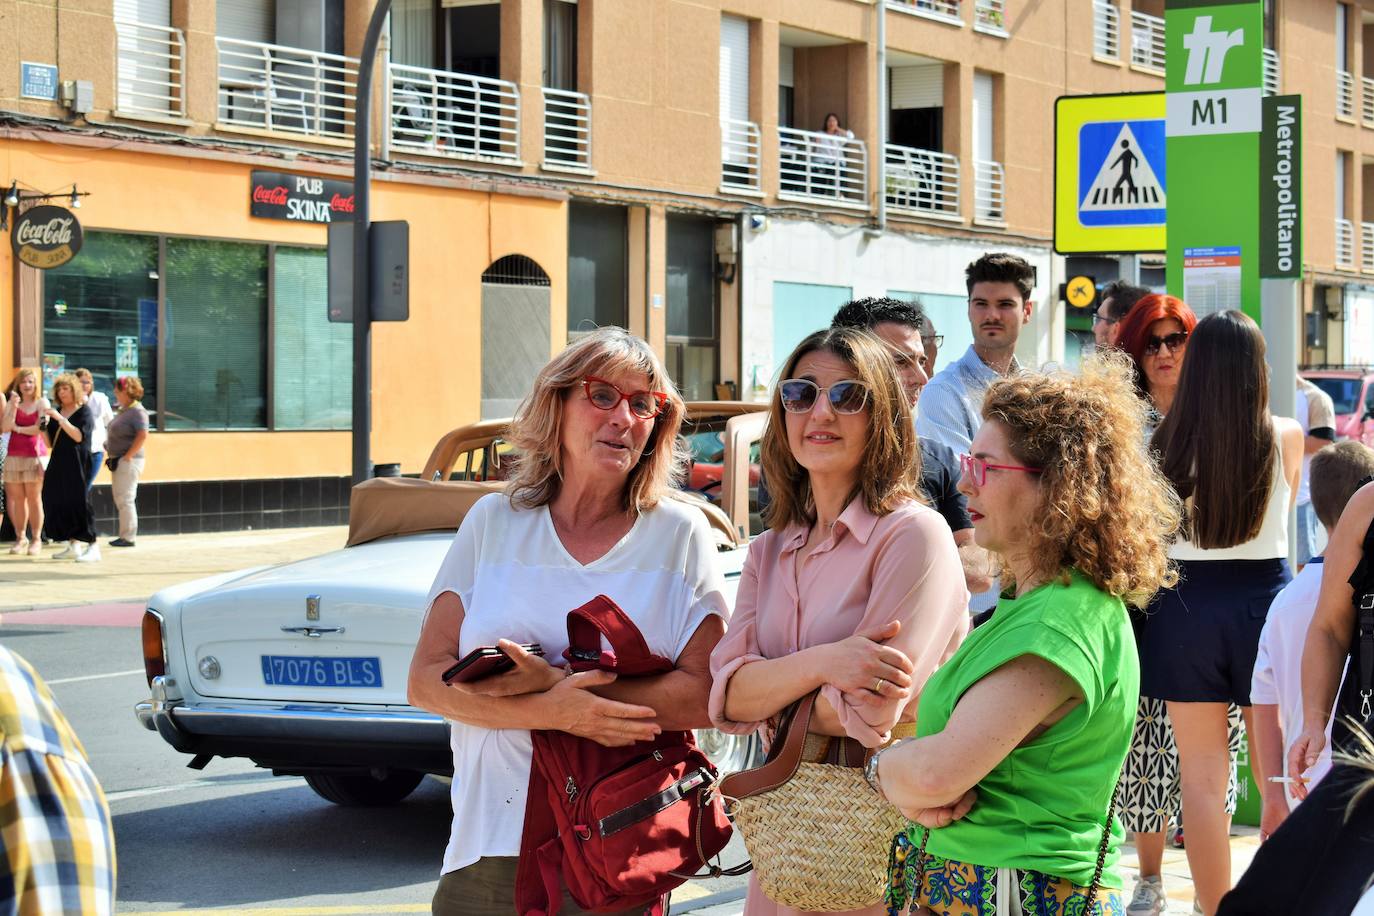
(1109, 180)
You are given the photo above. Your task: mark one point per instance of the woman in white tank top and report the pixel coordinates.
(1236, 467)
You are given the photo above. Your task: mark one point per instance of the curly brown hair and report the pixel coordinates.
(1107, 510)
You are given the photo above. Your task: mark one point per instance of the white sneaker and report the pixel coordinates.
(1148, 898)
(90, 555)
(67, 554)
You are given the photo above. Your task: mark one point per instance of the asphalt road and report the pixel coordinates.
(233, 837)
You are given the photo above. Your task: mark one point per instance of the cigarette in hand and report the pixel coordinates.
(1298, 779)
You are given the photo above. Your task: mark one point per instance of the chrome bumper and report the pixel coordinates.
(182, 726)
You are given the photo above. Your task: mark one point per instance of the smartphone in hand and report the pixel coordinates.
(484, 662)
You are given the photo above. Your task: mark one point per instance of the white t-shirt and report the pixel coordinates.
(99, 406)
(1277, 678)
(518, 582)
(1300, 414)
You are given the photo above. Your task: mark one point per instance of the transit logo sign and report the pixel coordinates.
(1207, 51)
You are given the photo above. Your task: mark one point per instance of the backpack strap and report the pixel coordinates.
(1362, 583)
(629, 652)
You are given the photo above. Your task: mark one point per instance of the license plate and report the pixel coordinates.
(315, 671)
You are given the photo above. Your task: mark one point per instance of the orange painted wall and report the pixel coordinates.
(426, 371)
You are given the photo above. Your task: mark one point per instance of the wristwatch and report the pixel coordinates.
(871, 768)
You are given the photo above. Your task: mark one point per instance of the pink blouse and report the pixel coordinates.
(903, 566)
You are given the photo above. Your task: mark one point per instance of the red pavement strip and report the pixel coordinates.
(81, 615)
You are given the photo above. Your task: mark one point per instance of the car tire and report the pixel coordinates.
(364, 788)
(730, 753)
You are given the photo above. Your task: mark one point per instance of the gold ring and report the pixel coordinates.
(878, 685)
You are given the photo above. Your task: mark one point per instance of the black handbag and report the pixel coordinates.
(112, 462)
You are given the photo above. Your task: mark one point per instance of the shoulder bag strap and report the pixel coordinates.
(783, 760)
(603, 617)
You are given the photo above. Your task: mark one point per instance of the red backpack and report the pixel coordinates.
(620, 826)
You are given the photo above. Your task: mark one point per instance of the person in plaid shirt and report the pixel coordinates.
(56, 842)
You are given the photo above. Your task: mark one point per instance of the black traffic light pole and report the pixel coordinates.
(362, 185)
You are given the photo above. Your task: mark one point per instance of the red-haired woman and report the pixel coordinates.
(1155, 334)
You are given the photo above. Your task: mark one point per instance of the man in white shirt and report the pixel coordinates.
(1276, 684)
(99, 406)
(1316, 414)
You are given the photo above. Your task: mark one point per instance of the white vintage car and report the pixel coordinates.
(302, 668)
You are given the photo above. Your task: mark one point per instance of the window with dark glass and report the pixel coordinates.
(691, 305)
(312, 357)
(103, 300)
(216, 335)
(598, 269)
(560, 45)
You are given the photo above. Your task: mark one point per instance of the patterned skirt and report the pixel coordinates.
(1150, 787)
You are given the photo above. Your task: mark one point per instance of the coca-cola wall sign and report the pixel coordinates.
(300, 198)
(46, 237)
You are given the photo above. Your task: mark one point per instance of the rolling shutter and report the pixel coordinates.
(246, 20)
(921, 86)
(734, 68)
(982, 116)
(144, 12)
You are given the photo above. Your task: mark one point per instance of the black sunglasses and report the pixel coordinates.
(1174, 342)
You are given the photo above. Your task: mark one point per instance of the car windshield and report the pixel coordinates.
(1344, 392)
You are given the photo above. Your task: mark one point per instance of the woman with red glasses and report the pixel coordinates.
(586, 513)
(1021, 734)
(856, 591)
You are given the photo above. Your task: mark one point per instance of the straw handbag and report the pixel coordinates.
(817, 833)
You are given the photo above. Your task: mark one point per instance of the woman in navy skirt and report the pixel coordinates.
(1236, 466)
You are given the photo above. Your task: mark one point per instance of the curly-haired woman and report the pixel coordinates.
(1021, 735)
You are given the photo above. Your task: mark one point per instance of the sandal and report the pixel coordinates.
(36, 547)
(19, 546)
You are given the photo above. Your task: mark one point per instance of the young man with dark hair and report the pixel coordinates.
(1276, 685)
(1118, 298)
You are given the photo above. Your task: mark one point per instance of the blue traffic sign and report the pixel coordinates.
(1121, 173)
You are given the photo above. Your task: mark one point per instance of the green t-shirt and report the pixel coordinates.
(1043, 806)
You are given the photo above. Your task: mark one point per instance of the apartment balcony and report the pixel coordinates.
(947, 11)
(437, 113)
(826, 168)
(1345, 94)
(1147, 41)
(1367, 101)
(567, 131)
(990, 16)
(265, 87)
(1106, 30)
(989, 192)
(739, 158)
(922, 182)
(1345, 244)
(150, 66)
(1367, 248)
(1271, 72)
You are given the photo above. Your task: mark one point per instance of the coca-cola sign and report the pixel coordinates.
(46, 237)
(300, 198)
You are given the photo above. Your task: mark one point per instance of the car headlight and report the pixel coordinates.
(154, 646)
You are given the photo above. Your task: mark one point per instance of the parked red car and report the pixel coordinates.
(1352, 394)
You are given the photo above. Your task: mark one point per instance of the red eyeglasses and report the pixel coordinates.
(643, 404)
(976, 469)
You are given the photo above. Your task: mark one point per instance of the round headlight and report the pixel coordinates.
(209, 667)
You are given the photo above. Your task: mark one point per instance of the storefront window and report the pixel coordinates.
(312, 357)
(216, 346)
(102, 302)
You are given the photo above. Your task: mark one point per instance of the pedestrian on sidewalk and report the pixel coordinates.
(27, 460)
(1022, 734)
(100, 409)
(66, 492)
(1236, 467)
(127, 434)
(856, 590)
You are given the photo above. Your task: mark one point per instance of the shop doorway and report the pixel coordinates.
(515, 332)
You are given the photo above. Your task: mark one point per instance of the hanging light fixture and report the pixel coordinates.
(76, 199)
(12, 196)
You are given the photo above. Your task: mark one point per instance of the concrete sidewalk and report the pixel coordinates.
(135, 573)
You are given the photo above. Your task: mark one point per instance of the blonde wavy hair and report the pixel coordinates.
(68, 380)
(1107, 510)
(890, 472)
(536, 432)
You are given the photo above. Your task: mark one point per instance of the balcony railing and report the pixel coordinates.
(739, 155)
(818, 166)
(291, 90)
(1271, 72)
(1367, 248)
(1367, 101)
(151, 61)
(1345, 94)
(567, 130)
(989, 191)
(1147, 41)
(1345, 244)
(990, 16)
(454, 114)
(943, 10)
(1106, 30)
(922, 181)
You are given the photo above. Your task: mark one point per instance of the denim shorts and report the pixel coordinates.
(1199, 638)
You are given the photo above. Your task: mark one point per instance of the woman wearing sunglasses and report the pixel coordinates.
(1155, 334)
(1236, 466)
(586, 513)
(1023, 732)
(856, 589)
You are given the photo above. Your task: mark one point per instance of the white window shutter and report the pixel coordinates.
(734, 68)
